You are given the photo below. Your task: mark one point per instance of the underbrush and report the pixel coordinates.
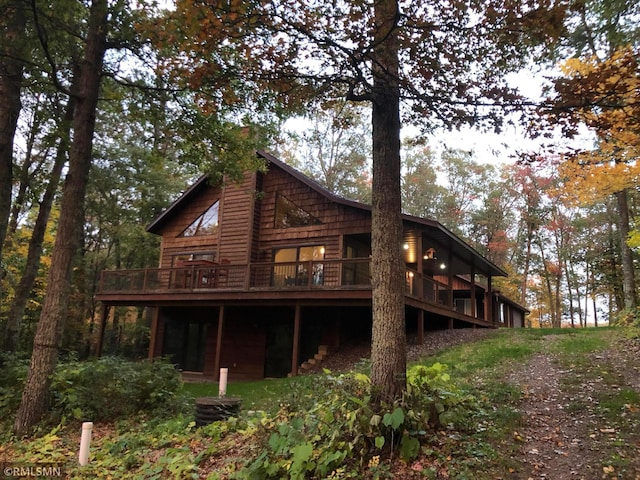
(333, 430)
(106, 389)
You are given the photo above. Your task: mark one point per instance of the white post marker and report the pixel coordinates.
(222, 386)
(85, 439)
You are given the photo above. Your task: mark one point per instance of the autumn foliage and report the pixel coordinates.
(605, 97)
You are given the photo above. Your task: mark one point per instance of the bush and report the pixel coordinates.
(341, 433)
(13, 373)
(110, 388)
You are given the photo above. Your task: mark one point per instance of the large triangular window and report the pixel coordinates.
(205, 224)
(288, 214)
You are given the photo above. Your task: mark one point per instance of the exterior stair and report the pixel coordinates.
(323, 351)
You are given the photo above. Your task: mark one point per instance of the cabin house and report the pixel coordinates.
(261, 276)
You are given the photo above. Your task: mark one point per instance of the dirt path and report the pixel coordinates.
(577, 424)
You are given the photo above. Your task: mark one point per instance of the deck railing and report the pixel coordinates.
(343, 274)
(325, 274)
(425, 288)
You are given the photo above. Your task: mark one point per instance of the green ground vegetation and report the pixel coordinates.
(459, 418)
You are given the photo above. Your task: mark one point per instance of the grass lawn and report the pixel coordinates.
(256, 395)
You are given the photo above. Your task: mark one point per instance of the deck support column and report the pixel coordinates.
(216, 365)
(104, 314)
(155, 323)
(474, 306)
(296, 341)
(420, 327)
(450, 279)
(488, 309)
(420, 267)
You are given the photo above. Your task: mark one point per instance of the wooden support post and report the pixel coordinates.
(450, 326)
(489, 302)
(420, 327)
(104, 314)
(216, 366)
(296, 342)
(420, 268)
(474, 306)
(155, 323)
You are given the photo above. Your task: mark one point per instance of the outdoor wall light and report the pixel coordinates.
(430, 254)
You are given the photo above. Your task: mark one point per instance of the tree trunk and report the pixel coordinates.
(628, 276)
(558, 302)
(547, 281)
(572, 308)
(388, 345)
(616, 298)
(35, 396)
(12, 28)
(23, 173)
(527, 261)
(30, 272)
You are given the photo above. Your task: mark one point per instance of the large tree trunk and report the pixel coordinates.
(35, 395)
(388, 345)
(12, 28)
(628, 275)
(30, 272)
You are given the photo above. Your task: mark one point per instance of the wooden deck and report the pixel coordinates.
(340, 281)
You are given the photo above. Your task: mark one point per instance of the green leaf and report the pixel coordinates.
(395, 419)
(409, 447)
(301, 455)
(379, 441)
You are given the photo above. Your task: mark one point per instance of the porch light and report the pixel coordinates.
(405, 246)
(442, 266)
(430, 254)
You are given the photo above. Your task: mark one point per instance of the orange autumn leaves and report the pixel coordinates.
(604, 96)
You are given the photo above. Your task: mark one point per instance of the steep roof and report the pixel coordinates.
(438, 232)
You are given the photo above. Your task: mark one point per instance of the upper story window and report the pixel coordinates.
(179, 259)
(205, 224)
(288, 214)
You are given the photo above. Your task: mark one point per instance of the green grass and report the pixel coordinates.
(617, 402)
(583, 341)
(503, 347)
(264, 395)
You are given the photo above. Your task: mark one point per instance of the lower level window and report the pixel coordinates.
(184, 343)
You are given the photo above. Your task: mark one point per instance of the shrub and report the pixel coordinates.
(110, 388)
(332, 429)
(13, 373)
